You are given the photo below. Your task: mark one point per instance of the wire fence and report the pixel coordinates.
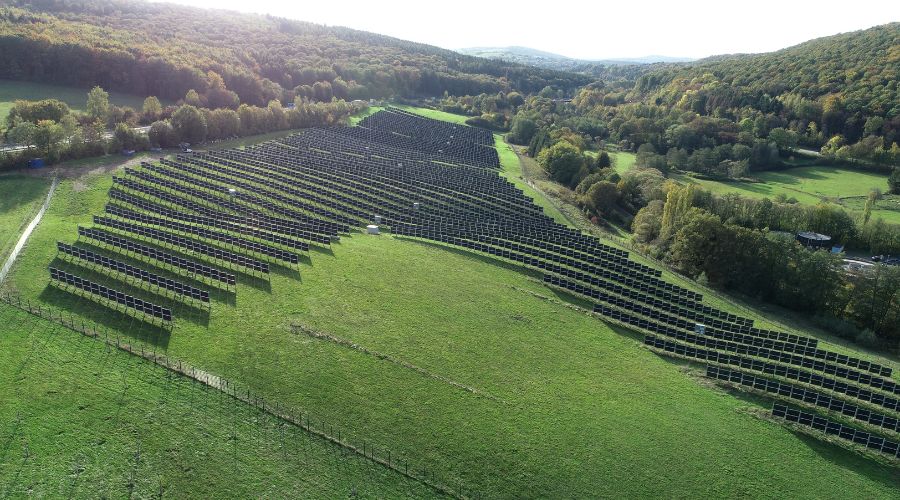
(306, 421)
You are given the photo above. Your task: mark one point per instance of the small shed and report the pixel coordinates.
(810, 239)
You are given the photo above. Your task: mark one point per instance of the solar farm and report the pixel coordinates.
(184, 241)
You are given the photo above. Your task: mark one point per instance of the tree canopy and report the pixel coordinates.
(165, 50)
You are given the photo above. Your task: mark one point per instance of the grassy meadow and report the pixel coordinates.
(812, 185)
(622, 160)
(79, 420)
(20, 198)
(76, 98)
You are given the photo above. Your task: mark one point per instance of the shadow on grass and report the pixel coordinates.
(217, 290)
(114, 320)
(493, 260)
(569, 298)
(25, 191)
(192, 311)
(252, 280)
(287, 271)
(846, 459)
(627, 332)
(321, 249)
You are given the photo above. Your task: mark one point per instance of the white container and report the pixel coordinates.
(372, 229)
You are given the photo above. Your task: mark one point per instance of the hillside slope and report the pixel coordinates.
(83, 421)
(543, 59)
(165, 49)
(837, 82)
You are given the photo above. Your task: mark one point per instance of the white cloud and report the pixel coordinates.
(590, 29)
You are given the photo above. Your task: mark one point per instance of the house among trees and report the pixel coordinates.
(810, 239)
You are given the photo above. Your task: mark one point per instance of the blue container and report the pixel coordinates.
(36, 163)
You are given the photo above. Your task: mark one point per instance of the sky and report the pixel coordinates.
(589, 29)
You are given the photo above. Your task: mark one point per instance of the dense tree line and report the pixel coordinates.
(729, 116)
(50, 130)
(742, 244)
(686, 231)
(166, 50)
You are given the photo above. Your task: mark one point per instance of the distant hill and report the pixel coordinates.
(542, 59)
(836, 81)
(165, 49)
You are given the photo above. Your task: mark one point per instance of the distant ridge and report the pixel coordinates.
(543, 59)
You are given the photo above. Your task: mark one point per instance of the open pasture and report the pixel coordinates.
(812, 185)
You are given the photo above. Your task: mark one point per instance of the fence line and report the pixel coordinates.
(28, 230)
(325, 431)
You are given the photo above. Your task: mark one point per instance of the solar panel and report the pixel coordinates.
(132, 271)
(118, 297)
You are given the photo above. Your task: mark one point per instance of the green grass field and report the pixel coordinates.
(812, 185)
(20, 198)
(435, 114)
(566, 402)
(459, 366)
(371, 110)
(622, 160)
(76, 98)
(79, 420)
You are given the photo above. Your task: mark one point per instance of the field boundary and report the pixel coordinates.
(28, 230)
(298, 328)
(327, 432)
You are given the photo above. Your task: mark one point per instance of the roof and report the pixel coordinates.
(813, 236)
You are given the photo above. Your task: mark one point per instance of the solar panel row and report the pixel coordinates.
(128, 246)
(208, 222)
(869, 440)
(806, 395)
(184, 243)
(201, 232)
(134, 272)
(116, 296)
(845, 388)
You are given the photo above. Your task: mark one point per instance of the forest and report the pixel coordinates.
(166, 50)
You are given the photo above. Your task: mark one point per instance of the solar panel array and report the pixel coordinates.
(848, 389)
(218, 216)
(863, 438)
(808, 396)
(65, 279)
(148, 277)
(129, 247)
